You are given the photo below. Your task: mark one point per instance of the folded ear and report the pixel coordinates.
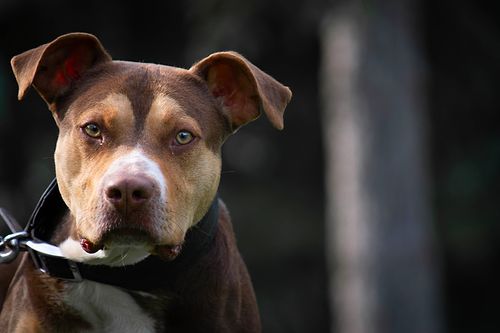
(52, 68)
(243, 89)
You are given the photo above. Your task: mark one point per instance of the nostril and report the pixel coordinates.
(114, 193)
(140, 194)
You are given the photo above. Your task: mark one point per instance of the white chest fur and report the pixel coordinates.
(108, 309)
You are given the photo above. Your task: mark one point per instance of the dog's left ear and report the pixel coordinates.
(243, 89)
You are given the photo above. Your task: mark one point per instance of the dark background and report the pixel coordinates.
(273, 181)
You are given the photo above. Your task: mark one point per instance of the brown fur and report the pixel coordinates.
(143, 105)
(224, 296)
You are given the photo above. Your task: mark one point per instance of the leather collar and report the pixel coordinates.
(147, 275)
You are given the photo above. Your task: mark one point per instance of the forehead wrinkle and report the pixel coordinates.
(140, 91)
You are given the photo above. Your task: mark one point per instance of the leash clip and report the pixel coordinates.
(10, 246)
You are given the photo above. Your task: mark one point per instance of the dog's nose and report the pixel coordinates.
(128, 193)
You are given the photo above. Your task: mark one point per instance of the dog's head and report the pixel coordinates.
(138, 155)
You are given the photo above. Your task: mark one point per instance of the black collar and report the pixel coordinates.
(147, 275)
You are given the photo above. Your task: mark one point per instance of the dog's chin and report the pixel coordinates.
(122, 255)
(126, 237)
(119, 247)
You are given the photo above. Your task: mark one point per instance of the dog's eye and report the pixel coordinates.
(184, 137)
(92, 130)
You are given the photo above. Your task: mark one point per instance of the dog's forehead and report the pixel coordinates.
(143, 86)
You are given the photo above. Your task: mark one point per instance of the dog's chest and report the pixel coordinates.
(108, 309)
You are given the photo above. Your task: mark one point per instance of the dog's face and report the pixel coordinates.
(138, 155)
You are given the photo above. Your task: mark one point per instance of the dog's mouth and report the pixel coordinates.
(129, 238)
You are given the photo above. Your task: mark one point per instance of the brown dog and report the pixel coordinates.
(138, 163)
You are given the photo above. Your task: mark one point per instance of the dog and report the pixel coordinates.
(138, 164)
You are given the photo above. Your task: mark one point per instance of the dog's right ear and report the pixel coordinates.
(52, 68)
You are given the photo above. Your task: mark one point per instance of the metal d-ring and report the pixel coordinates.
(10, 246)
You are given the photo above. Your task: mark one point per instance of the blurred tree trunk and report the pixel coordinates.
(383, 272)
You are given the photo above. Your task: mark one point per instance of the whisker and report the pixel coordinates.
(123, 256)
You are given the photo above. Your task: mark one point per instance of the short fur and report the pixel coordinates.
(165, 187)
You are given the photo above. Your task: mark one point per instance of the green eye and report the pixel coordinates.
(184, 137)
(92, 130)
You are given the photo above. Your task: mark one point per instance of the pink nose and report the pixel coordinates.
(128, 193)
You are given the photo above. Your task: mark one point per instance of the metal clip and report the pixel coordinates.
(10, 246)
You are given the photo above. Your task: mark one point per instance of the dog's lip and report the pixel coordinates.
(167, 252)
(132, 237)
(89, 246)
